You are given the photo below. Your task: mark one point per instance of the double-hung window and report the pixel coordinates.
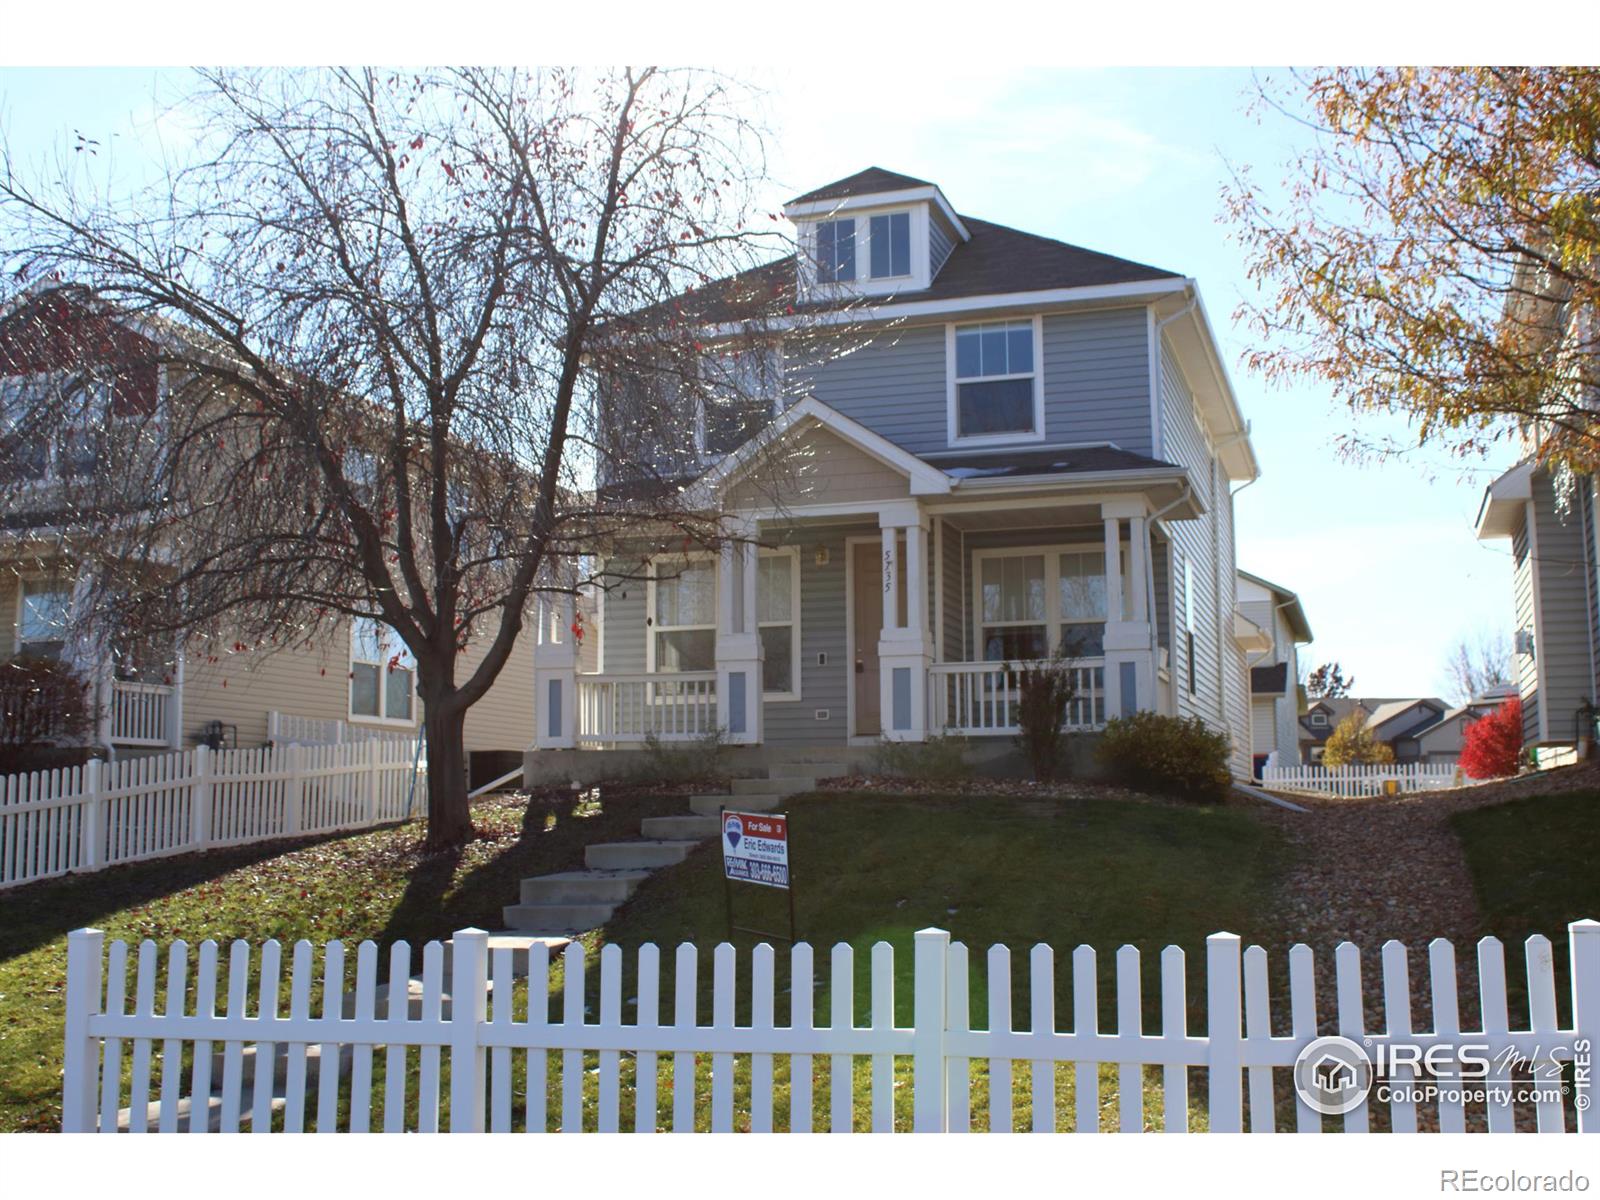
(1013, 602)
(836, 251)
(1038, 601)
(889, 237)
(995, 389)
(683, 615)
(42, 619)
(383, 672)
(778, 618)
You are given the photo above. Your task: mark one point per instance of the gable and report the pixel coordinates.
(815, 465)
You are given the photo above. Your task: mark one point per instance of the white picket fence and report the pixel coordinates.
(285, 727)
(101, 814)
(515, 1065)
(1363, 780)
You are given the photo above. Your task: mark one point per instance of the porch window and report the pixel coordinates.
(778, 618)
(1013, 600)
(836, 251)
(1035, 600)
(684, 616)
(382, 672)
(42, 619)
(995, 390)
(1081, 593)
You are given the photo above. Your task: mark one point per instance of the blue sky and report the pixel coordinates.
(1130, 162)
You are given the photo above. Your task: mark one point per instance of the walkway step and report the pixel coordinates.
(556, 918)
(625, 856)
(790, 786)
(709, 806)
(582, 887)
(696, 827)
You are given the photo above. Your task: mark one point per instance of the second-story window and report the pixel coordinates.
(836, 251)
(891, 245)
(996, 382)
(739, 398)
(52, 426)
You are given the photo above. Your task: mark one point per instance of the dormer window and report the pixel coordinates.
(995, 392)
(836, 251)
(890, 245)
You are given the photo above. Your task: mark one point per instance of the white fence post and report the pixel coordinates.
(1223, 1031)
(928, 1062)
(80, 1074)
(94, 817)
(1583, 941)
(469, 1008)
(200, 798)
(294, 789)
(374, 755)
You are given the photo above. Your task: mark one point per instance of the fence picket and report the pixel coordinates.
(104, 1021)
(1446, 1024)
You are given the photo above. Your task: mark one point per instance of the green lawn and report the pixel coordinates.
(1102, 871)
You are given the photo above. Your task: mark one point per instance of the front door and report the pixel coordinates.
(867, 569)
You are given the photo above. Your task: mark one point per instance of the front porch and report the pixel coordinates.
(803, 631)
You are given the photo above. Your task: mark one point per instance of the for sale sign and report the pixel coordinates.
(755, 848)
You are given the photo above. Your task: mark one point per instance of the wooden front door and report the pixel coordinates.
(867, 569)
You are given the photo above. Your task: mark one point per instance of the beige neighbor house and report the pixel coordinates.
(356, 681)
(1278, 627)
(1033, 445)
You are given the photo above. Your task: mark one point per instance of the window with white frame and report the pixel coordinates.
(683, 615)
(995, 390)
(42, 618)
(1185, 580)
(836, 251)
(1034, 601)
(889, 245)
(778, 619)
(383, 672)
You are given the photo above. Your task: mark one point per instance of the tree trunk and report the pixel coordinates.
(449, 812)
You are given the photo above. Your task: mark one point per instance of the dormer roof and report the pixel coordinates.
(863, 183)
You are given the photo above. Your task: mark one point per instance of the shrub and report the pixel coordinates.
(1492, 745)
(681, 762)
(1352, 743)
(1046, 690)
(43, 704)
(940, 759)
(1168, 756)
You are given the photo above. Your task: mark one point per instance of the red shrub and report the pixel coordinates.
(1492, 745)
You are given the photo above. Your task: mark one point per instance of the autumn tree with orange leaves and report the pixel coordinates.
(1436, 251)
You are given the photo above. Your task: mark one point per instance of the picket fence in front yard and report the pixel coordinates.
(100, 814)
(491, 1040)
(1363, 779)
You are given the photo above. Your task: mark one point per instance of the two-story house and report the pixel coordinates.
(1280, 628)
(1030, 446)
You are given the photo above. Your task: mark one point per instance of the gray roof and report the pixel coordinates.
(1067, 461)
(862, 183)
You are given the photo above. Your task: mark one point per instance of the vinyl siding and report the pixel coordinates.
(822, 631)
(953, 632)
(818, 466)
(941, 241)
(1561, 637)
(893, 384)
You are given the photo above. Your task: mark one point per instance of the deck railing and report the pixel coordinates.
(680, 706)
(977, 699)
(141, 713)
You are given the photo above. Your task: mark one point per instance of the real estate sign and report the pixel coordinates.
(755, 848)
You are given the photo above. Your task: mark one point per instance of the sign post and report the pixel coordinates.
(755, 849)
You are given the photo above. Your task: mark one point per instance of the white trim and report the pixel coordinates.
(953, 433)
(936, 525)
(650, 626)
(929, 193)
(382, 717)
(923, 479)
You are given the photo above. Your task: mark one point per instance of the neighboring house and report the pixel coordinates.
(1031, 445)
(356, 680)
(1421, 729)
(1280, 623)
(1549, 519)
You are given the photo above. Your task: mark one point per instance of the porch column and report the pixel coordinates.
(555, 674)
(738, 654)
(1129, 644)
(905, 651)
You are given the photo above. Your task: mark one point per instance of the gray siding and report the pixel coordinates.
(822, 621)
(941, 240)
(1525, 665)
(1561, 638)
(894, 385)
(953, 634)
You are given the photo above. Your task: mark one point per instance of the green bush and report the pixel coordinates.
(704, 758)
(1046, 692)
(940, 759)
(1167, 756)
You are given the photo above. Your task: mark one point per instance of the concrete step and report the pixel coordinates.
(807, 770)
(556, 918)
(773, 787)
(631, 856)
(696, 827)
(709, 806)
(516, 941)
(582, 887)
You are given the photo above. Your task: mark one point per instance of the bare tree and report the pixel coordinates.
(380, 303)
(1329, 682)
(1477, 664)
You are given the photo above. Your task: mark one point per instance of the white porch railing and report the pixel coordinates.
(681, 706)
(141, 713)
(976, 699)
